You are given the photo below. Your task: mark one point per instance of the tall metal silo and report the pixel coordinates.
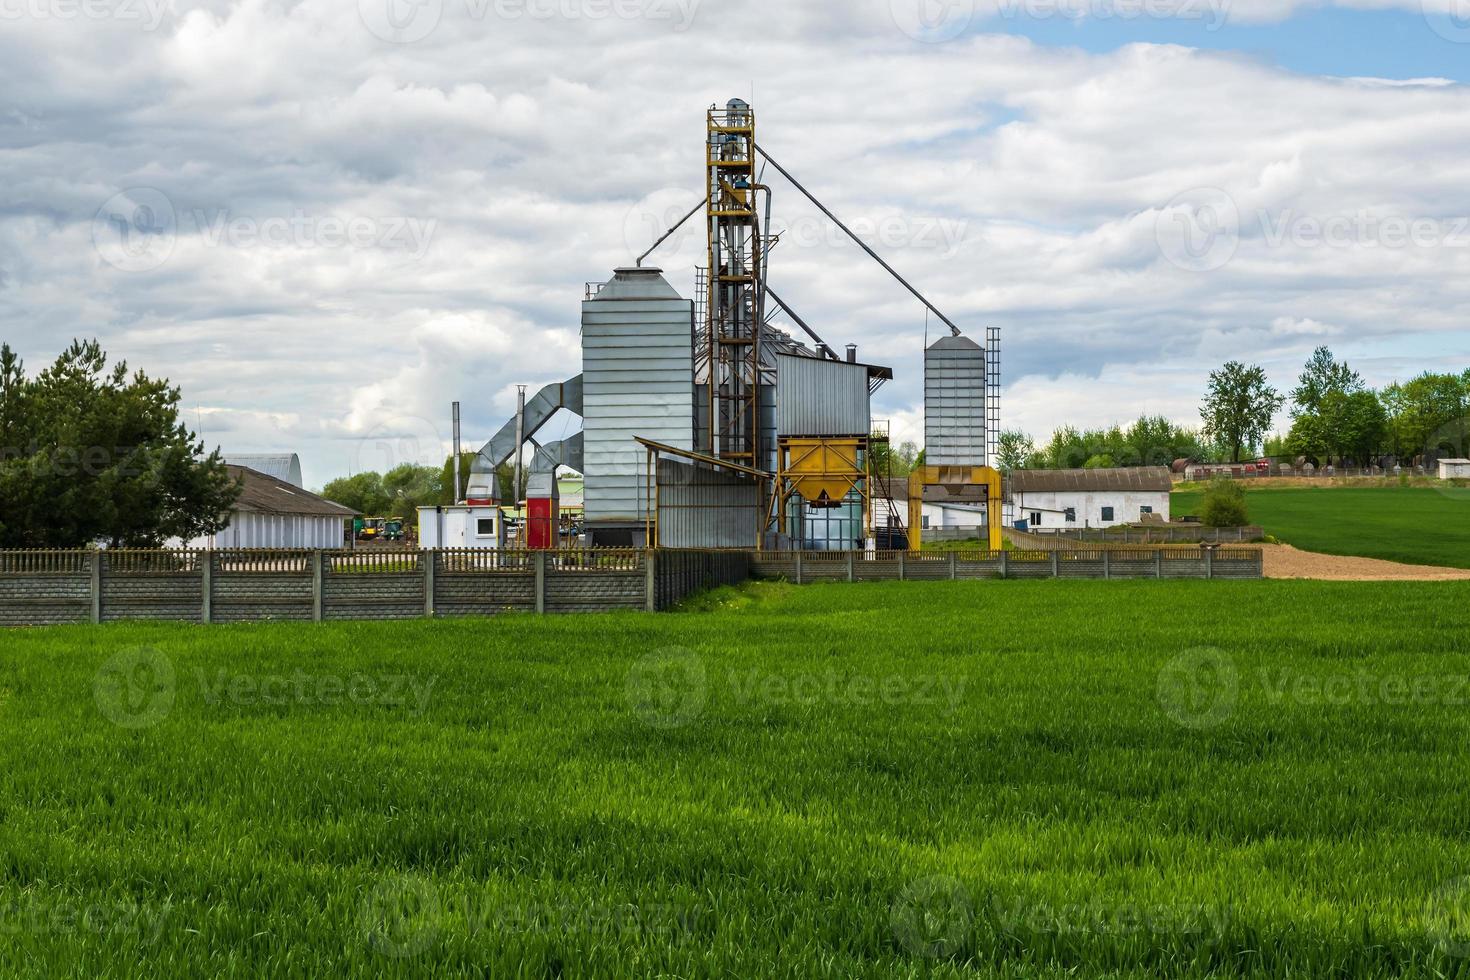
(954, 403)
(638, 381)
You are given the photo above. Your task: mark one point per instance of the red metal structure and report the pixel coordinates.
(543, 512)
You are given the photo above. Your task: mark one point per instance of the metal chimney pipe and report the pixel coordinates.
(515, 501)
(458, 486)
(852, 353)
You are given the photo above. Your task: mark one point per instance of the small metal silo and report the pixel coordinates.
(954, 403)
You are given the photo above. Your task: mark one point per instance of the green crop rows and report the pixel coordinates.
(907, 779)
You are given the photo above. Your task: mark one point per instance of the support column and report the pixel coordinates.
(206, 587)
(317, 597)
(96, 585)
(539, 562)
(650, 584)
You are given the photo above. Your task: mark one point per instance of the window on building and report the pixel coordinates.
(1145, 510)
(926, 524)
(1107, 514)
(1035, 516)
(1071, 514)
(485, 527)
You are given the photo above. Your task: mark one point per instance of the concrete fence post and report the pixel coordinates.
(1209, 563)
(539, 563)
(1159, 563)
(650, 580)
(317, 591)
(1056, 564)
(206, 588)
(429, 559)
(1107, 563)
(903, 565)
(96, 585)
(1005, 563)
(851, 566)
(954, 567)
(799, 569)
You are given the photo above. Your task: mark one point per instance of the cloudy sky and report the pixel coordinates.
(326, 220)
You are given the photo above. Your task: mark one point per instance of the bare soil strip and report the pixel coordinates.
(1284, 561)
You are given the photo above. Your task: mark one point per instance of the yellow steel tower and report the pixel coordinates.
(730, 351)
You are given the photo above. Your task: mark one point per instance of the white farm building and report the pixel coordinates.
(1454, 469)
(1069, 499)
(271, 513)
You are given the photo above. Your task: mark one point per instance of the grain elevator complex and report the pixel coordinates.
(706, 426)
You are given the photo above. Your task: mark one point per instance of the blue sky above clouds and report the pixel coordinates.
(327, 219)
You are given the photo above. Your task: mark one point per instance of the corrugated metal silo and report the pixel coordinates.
(638, 380)
(954, 403)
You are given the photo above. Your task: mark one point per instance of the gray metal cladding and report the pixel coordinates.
(638, 380)
(703, 507)
(954, 403)
(821, 398)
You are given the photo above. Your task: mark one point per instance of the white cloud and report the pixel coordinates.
(1030, 183)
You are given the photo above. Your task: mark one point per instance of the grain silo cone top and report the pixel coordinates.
(637, 282)
(954, 343)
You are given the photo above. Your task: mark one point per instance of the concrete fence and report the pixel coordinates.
(1102, 563)
(1048, 538)
(40, 588)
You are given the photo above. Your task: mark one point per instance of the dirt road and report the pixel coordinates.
(1284, 561)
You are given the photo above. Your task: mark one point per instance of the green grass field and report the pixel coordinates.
(1416, 525)
(1019, 779)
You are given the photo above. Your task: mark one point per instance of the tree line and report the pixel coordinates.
(1335, 418)
(97, 454)
(402, 490)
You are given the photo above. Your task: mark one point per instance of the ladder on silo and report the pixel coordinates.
(992, 397)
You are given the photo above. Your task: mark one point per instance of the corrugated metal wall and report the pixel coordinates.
(821, 398)
(638, 377)
(249, 529)
(701, 507)
(954, 403)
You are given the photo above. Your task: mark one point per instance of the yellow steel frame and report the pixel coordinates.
(725, 202)
(816, 464)
(950, 476)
